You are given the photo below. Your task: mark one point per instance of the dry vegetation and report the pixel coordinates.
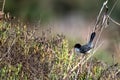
(26, 57)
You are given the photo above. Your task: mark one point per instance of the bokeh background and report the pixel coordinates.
(72, 18)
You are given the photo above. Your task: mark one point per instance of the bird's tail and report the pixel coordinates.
(93, 34)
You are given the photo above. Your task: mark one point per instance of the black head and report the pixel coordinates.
(77, 45)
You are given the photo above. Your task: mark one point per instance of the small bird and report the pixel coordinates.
(85, 48)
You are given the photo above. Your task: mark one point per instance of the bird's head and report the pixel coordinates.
(77, 47)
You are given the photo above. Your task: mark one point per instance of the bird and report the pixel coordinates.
(85, 48)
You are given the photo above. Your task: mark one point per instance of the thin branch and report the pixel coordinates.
(3, 6)
(98, 17)
(115, 22)
(93, 52)
(76, 76)
(98, 47)
(69, 73)
(113, 7)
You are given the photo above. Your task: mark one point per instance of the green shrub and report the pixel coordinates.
(24, 56)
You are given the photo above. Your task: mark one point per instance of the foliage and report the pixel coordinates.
(24, 56)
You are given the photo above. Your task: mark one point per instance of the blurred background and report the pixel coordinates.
(72, 18)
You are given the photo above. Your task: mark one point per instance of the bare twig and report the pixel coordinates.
(74, 68)
(99, 15)
(113, 7)
(76, 76)
(98, 47)
(92, 53)
(115, 22)
(3, 6)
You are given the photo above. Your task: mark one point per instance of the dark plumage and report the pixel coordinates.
(85, 48)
